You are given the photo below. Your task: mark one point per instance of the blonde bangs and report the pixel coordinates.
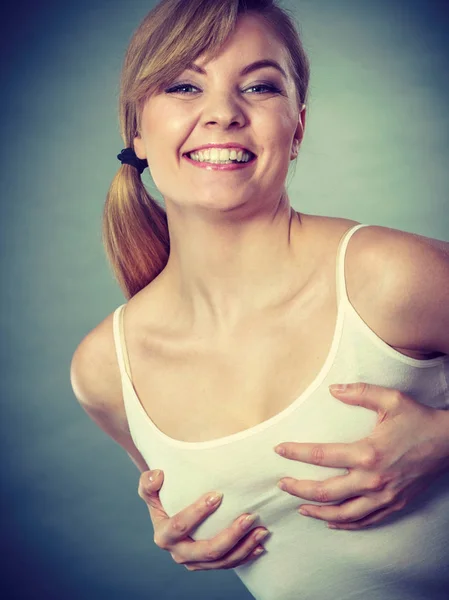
(170, 38)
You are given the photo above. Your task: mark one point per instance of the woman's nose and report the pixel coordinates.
(223, 111)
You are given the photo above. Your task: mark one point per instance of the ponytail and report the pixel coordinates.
(135, 232)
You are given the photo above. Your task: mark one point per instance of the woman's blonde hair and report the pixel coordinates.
(171, 37)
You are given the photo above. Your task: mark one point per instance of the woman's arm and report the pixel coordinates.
(97, 388)
(407, 293)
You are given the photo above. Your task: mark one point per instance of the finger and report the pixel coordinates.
(231, 562)
(380, 399)
(150, 483)
(248, 549)
(172, 530)
(351, 510)
(221, 544)
(334, 489)
(355, 454)
(372, 519)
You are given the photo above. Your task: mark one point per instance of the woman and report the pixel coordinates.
(237, 305)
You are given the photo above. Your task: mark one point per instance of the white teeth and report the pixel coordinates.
(220, 155)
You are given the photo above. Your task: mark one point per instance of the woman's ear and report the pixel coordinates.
(299, 133)
(139, 147)
(302, 117)
(295, 149)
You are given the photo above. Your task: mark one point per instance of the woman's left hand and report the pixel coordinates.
(407, 450)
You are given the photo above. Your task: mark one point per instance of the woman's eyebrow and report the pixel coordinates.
(254, 66)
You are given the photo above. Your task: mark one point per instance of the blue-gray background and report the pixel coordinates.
(376, 150)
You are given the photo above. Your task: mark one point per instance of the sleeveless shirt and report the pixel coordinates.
(405, 557)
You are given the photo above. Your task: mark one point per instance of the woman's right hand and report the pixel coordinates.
(230, 548)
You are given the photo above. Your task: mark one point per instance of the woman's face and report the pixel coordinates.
(227, 103)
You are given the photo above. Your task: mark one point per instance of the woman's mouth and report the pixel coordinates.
(221, 158)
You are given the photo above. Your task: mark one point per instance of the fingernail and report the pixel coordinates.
(280, 450)
(247, 521)
(154, 475)
(282, 485)
(302, 511)
(213, 499)
(261, 535)
(338, 387)
(330, 526)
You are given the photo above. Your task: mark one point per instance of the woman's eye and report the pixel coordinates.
(182, 88)
(264, 88)
(188, 88)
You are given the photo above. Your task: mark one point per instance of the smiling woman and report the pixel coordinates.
(163, 89)
(242, 311)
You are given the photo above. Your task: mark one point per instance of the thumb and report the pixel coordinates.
(150, 483)
(374, 397)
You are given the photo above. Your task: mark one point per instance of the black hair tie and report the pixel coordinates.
(128, 157)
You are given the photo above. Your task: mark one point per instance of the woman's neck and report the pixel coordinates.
(223, 272)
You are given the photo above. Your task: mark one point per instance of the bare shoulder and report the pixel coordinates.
(94, 371)
(326, 233)
(378, 239)
(96, 383)
(399, 261)
(400, 280)
(327, 225)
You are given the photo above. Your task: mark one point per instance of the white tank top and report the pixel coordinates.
(406, 557)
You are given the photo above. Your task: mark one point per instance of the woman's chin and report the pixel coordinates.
(224, 201)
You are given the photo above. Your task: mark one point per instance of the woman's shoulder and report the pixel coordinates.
(395, 260)
(320, 224)
(379, 254)
(95, 375)
(397, 281)
(96, 382)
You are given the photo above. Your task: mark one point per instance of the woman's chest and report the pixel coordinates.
(201, 394)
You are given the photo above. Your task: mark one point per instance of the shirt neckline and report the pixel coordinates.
(258, 428)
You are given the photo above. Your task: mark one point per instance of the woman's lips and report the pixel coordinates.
(217, 167)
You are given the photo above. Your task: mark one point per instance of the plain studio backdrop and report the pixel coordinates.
(376, 150)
